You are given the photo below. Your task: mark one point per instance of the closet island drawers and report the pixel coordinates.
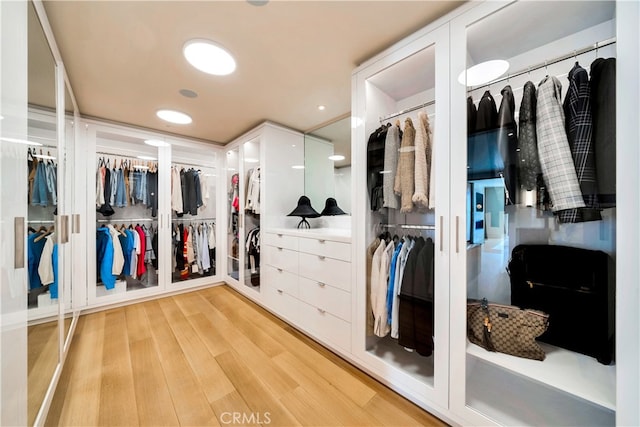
(283, 259)
(325, 325)
(327, 270)
(327, 248)
(280, 240)
(325, 297)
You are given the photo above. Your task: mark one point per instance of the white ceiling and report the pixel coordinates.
(124, 58)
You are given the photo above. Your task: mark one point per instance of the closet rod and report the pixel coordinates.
(409, 226)
(124, 156)
(192, 219)
(545, 64)
(41, 221)
(126, 220)
(408, 110)
(174, 163)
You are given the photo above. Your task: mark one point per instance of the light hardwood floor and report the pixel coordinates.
(210, 358)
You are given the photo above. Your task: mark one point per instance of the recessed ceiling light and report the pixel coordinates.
(146, 158)
(321, 107)
(155, 143)
(208, 57)
(297, 167)
(188, 93)
(172, 116)
(251, 160)
(483, 72)
(336, 157)
(257, 2)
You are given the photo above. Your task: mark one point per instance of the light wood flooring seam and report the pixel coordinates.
(213, 358)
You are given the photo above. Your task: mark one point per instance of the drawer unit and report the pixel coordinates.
(326, 297)
(284, 259)
(280, 240)
(327, 248)
(325, 325)
(282, 280)
(327, 270)
(282, 303)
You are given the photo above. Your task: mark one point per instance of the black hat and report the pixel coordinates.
(304, 209)
(331, 208)
(106, 210)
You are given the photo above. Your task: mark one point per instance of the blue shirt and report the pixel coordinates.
(392, 274)
(34, 253)
(104, 250)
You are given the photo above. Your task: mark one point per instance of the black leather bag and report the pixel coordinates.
(575, 287)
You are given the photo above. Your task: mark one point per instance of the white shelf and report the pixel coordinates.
(571, 372)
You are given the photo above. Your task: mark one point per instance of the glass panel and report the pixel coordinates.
(42, 248)
(541, 211)
(233, 201)
(251, 158)
(400, 126)
(193, 205)
(127, 214)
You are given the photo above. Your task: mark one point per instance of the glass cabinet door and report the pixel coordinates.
(537, 207)
(405, 307)
(250, 206)
(193, 209)
(232, 167)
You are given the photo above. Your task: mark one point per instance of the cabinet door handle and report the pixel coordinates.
(279, 291)
(441, 233)
(279, 248)
(321, 257)
(18, 242)
(64, 228)
(279, 235)
(457, 234)
(321, 311)
(322, 285)
(279, 270)
(321, 240)
(76, 224)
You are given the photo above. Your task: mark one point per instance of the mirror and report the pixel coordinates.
(43, 338)
(324, 177)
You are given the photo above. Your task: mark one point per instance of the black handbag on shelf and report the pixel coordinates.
(574, 287)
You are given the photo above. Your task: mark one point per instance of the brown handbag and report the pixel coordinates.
(506, 328)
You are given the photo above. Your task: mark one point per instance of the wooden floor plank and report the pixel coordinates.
(212, 379)
(137, 323)
(304, 407)
(324, 393)
(228, 406)
(257, 396)
(82, 397)
(155, 407)
(190, 403)
(117, 393)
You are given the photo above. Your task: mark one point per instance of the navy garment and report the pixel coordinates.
(152, 189)
(107, 185)
(34, 253)
(196, 182)
(126, 241)
(487, 114)
(104, 251)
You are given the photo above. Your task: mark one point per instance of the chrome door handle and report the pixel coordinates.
(322, 285)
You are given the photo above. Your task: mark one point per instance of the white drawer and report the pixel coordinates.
(328, 248)
(325, 326)
(281, 280)
(281, 303)
(327, 270)
(284, 259)
(319, 294)
(280, 241)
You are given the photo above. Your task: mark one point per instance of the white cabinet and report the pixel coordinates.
(475, 233)
(310, 284)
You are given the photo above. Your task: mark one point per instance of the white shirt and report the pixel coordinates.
(45, 268)
(118, 256)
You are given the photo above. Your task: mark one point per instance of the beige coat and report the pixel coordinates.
(404, 182)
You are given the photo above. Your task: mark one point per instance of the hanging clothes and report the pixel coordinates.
(603, 110)
(35, 246)
(51, 174)
(140, 251)
(529, 163)
(104, 252)
(152, 189)
(149, 254)
(472, 116)
(487, 114)
(39, 196)
(405, 175)
(204, 189)
(375, 165)
(391, 147)
(553, 148)
(378, 287)
(176, 191)
(48, 268)
(118, 255)
(252, 246)
(126, 241)
(422, 160)
(135, 252)
(508, 145)
(391, 287)
(579, 127)
(252, 203)
(401, 263)
(369, 306)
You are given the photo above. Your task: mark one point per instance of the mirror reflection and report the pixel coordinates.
(327, 164)
(43, 337)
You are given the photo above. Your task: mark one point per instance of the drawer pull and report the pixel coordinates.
(321, 257)
(279, 291)
(279, 235)
(279, 270)
(322, 285)
(279, 248)
(321, 311)
(321, 240)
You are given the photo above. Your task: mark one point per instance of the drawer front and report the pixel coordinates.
(328, 248)
(281, 303)
(281, 241)
(284, 259)
(327, 270)
(326, 297)
(325, 326)
(281, 280)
